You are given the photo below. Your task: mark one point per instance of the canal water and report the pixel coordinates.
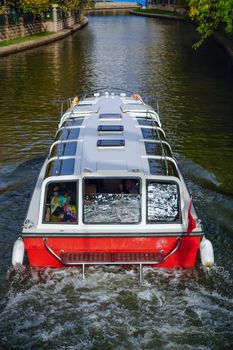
(172, 309)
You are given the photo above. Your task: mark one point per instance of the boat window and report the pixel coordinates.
(111, 201)
(162, 202)
(147, 122)
(61, 202)
(110, 128)
(157, 148)
(73, 122)
(110, 116)
(162, 167)
(64, 149)
(68, 134)
(60, 167)
(149, 133)
(110, 143)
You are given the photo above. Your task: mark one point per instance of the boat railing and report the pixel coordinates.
(159, 138)
(64, 104)
(157, 107)
(84, 259)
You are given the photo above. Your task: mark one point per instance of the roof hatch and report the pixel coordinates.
(109, 116)
(111, 143)
(110, 128)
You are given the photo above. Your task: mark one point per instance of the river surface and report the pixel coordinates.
(172, 309)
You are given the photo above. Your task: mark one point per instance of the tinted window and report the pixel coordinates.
(147, 122)
(60, 167)
(162, 167)
(64, 149)
(156, 134)
(155, 148)
(68, 134)
(73, 122)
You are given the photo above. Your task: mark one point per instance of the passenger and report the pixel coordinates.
(131, 186)
(70, 210)
(57, 205)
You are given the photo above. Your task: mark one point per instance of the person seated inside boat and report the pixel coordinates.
(131, 186)
(70, 214)
(58, 200)
(60, 205)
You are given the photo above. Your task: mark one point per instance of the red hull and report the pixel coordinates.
(185, 256)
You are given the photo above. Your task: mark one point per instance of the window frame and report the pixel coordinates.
(113, 177)
(76, 182)
(59, 159)
(64, 144)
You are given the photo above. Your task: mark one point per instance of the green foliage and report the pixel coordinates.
(40, 6)
(71, 5)
(210, 14)
(30, 6)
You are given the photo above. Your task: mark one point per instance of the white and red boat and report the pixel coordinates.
(110, 192)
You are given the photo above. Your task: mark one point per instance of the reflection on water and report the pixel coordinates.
(109, 310)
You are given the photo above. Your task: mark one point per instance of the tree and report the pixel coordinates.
(210, 15)
(71, 5)
(40, 6)
(30, 6)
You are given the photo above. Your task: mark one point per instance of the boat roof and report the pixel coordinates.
(110, 134)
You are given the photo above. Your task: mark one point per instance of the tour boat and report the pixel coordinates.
(110, 192)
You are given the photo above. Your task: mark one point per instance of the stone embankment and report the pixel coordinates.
(115, 5)
(158, 15)
(7, 50)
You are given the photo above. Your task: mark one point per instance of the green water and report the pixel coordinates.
(174, 309)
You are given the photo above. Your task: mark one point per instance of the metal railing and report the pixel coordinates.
(85, 263)
(12, 19)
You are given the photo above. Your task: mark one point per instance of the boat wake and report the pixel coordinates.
(111, 310)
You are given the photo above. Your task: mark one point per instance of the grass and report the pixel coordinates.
(23, 39)
(158, 12)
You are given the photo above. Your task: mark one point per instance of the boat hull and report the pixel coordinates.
(117, 247)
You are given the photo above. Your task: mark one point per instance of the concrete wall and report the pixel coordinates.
(8, 32)
(17, 31)
(115, 5)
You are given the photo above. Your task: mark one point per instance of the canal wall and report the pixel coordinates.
(9, 32)
(7, 50)
(157, 15)
(102, 5)
(57, 23)
(106, 7)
